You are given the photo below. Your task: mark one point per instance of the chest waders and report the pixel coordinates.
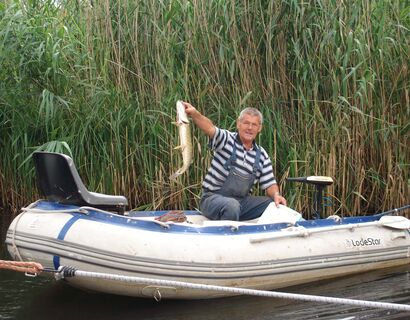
(238, 184)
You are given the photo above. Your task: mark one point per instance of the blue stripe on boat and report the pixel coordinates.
(56, 262)
(61, 236)
(130, 221)
(67, 227)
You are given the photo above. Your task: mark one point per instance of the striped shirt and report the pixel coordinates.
(222, 146)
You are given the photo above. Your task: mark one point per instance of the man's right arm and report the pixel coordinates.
(200, 120)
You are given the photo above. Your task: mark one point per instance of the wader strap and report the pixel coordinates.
(231, 159)
(256, 164)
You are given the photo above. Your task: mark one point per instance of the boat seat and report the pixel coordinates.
(59, 181)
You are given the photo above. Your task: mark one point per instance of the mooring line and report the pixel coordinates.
(65, 272)
(29, 267)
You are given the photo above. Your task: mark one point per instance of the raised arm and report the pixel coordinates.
(200, 120)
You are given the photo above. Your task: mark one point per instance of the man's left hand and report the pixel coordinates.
(279, 199)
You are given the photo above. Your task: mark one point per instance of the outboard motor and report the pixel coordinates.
(320, 183)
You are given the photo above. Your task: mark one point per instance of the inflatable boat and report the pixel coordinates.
(94, 232)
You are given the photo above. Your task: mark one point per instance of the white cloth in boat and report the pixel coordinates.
(281, 214)
(272, 214)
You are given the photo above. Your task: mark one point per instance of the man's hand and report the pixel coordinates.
(189, 108)
(279, 199)
(200, 120)
(273, 192)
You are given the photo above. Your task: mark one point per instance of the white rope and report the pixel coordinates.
(82, 210)
(13, 234)
(31, 208)
(85, 210)
(240, 291)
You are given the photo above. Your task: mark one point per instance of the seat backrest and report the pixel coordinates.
(58, 180)
(54, 177)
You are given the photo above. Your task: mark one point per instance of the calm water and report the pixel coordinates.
(38, 298)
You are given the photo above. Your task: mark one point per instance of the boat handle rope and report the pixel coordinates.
(67, 272)
(83, 210)
(13, 234)
(31, 208)
(395, 210)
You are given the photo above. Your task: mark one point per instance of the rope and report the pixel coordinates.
(71, 272)
(82, 210)
(13, 235)
(85, 210)
(395, 211)
(22, 266)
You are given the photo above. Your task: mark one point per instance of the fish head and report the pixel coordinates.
(182, 117)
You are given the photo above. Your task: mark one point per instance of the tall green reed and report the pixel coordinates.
(330, 77)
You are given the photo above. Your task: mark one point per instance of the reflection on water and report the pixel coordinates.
(26, 298)
(17, 291)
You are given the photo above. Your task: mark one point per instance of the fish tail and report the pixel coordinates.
(175, 175)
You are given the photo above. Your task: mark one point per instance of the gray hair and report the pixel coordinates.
(252, 112)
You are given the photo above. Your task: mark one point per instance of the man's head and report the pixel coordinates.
(249, 124)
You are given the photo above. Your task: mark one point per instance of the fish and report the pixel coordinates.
(185, 140)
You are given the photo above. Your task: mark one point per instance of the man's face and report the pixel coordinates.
(248, 128)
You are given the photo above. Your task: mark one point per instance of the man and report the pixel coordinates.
(238, 164)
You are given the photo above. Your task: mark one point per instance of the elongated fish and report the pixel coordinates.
(184, 140)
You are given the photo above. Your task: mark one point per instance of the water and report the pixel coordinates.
(37, 298)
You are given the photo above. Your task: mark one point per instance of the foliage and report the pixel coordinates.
(99, 79)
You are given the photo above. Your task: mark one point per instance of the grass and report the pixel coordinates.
(100, 83)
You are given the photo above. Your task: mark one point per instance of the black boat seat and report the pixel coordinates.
(59, 181)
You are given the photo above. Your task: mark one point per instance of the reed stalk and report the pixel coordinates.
(99, 81)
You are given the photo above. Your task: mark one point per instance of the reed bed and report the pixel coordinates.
(99, 80)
